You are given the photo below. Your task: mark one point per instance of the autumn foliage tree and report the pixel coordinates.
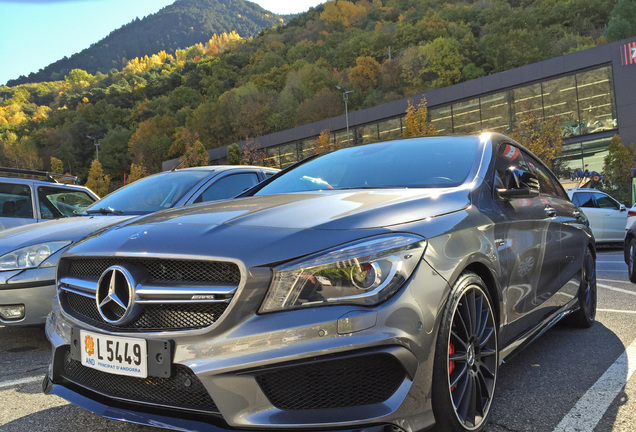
(416, 121)
(136, 172)
(195, 153)
(97, 181)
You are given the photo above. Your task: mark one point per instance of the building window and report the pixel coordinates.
(390, 129)
(288, 154)
(596, 101)
(495, 112)
(442, 119)
(559, 102)
(272, 156)
(466, 117)
(527, 102)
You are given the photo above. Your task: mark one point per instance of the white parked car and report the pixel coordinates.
(607, 216)
(631, 217)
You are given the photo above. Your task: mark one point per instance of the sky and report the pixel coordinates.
(36, 33)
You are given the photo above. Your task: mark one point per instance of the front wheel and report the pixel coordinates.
(631, 256)
(586, 314)
(466, 358)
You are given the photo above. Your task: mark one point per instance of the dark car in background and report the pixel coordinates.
(375, 287)
(29, 254)
(29, 196)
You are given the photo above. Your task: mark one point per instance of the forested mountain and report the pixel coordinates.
(228, 88)
(179, 25)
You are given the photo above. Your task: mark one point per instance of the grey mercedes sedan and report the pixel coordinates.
(370, 288)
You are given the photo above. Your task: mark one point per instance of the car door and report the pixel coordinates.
(586, 201)
(16, 205)
(613, 216)
(528, 247)
(572, 244)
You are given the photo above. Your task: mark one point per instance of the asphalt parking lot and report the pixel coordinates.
(568, 380)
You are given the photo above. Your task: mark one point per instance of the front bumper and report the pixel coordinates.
(33, 288)
(337, 367)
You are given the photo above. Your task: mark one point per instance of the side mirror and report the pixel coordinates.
(519, 184)
(623, 208)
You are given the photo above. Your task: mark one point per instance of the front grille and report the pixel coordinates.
(161, 270)
(340, 383)
(154, 317)
(182, 390)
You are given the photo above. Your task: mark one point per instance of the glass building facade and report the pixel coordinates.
(582, 102)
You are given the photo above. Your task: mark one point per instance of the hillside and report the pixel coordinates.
(229, 88)
(180, 25)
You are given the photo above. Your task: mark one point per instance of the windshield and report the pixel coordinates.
(413, 163)
(150, 194)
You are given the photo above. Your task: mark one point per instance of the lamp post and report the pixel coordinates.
(96, 142)
(345, 97)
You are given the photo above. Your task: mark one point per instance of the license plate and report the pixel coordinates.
(113, 354)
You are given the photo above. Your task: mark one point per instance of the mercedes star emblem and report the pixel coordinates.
(116, 295)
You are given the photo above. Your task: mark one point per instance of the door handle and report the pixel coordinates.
(550, 211)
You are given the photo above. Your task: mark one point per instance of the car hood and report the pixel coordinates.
(325, 210)
(72, 228)
(266, 229)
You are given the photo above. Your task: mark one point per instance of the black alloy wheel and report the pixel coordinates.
(586, 314)
(466, 359)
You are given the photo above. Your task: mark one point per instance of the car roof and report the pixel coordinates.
(227, 167)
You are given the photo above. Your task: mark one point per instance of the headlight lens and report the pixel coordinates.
(30, 256)
(365, 273)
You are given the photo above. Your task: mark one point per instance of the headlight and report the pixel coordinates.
(30, 256)
(364, 273)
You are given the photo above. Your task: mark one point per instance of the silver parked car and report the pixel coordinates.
(370, 288)
(29, 196)
(29, 254)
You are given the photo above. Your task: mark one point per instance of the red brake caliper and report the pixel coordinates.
(451, 364)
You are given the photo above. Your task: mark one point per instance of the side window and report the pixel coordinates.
(58, 202)
(583, 199)
(507, 156)
(228, 187)
(15, 200)
(547, 184)
(604, 201)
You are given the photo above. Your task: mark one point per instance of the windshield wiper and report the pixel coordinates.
(103, 211)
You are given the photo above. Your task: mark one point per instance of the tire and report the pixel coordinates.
(466, 358)
(631, 258)
(586, 314)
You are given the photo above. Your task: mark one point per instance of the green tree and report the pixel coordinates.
(57, 166)
(97, 181)
(617, 168)
(234, 155)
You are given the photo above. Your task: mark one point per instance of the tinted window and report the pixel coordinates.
(152, 193)
(415, 163)
(15, 200)
(604, 201)
(583, 199)
(228, 187)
